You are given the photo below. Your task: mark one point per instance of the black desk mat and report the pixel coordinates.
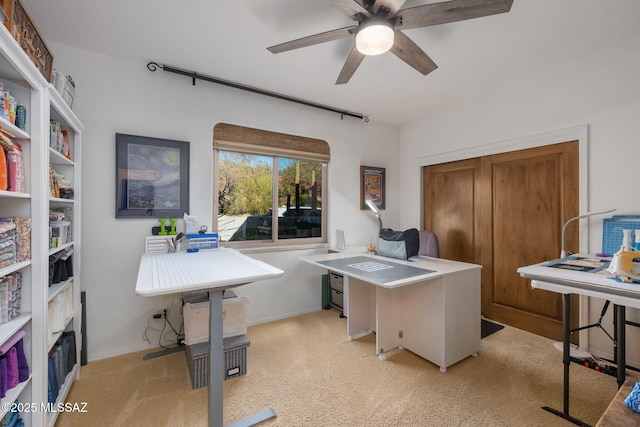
(379, 270)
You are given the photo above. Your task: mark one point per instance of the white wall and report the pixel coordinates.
(114, 95)
(600, 91)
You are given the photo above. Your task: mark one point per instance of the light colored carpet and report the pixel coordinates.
(307, 370)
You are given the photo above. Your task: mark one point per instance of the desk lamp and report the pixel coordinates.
(375, 210)
(563, 252)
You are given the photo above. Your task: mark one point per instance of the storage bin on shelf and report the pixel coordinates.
(58, 232)
(65, 87)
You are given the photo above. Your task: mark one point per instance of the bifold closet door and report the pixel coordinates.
(504, 211)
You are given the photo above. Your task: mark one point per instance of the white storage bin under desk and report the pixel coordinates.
(235, 314)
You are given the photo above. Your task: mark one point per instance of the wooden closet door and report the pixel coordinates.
(450, 208)
(505, 211)
(533, 192)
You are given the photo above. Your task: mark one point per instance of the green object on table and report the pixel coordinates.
(172, 231)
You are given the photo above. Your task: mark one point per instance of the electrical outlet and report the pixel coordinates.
(159, 313)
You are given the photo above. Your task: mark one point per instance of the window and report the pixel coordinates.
(270, 187)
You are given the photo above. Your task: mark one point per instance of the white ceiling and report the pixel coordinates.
(228, 40)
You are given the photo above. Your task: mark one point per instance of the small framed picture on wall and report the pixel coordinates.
(372, 186)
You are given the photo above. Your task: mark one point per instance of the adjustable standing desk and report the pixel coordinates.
(213, 270)
(591, 284)
(430, 306)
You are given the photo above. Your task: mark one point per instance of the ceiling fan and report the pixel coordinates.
(379, 25)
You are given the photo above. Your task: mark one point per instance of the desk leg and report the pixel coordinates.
(216, 359)
(566, 361)
(217, 369)
(359, 318)
(620, 343)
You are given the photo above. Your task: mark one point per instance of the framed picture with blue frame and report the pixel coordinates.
(372, 186)
(152, 177)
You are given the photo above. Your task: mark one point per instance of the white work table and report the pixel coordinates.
(430, 306)
(566, 281)
(598, 284)
(213, 270)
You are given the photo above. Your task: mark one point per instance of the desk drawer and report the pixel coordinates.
(336, 281)
(337, 298)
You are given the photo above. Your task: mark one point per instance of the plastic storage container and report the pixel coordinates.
(235, 313)
(58, 232)
(65, 88)
(202, 241)
(235, 360)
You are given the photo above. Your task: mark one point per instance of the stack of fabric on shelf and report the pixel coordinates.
(10, 296)
(7, 244)
(15, 232)
(14, 368)
(11, 164)
(59, 186)
(61, 362)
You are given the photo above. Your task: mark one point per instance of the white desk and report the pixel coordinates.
(569, 282)
(212, 270)
(435, 314)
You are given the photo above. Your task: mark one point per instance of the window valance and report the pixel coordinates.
(257, 141)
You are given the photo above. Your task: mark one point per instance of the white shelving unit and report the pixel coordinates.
(43, 103)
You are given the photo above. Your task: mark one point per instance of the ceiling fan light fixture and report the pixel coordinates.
(375, 38)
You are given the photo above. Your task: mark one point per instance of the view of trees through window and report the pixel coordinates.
(246, 208)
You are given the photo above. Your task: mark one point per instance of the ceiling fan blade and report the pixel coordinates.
(351, 8)
(314, 39)
(450, 11)
(393, 6)
(405, 49)
(350, 66)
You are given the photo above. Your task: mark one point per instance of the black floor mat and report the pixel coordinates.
(487, 328)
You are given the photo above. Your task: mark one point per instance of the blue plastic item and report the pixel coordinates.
(202, 241)
(612, 231)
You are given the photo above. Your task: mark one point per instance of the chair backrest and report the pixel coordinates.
(428, 244)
